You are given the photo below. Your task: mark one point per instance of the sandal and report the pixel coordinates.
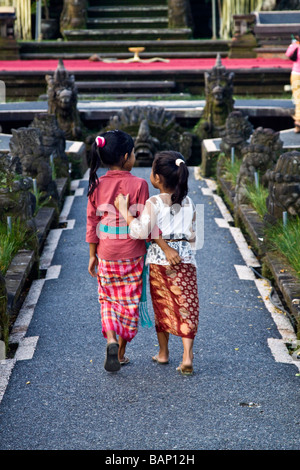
(112, 363)
(124, 361)
(155, 359)
(185, 370)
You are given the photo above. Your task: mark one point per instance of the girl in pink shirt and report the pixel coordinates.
(293, 53)
(118, 258)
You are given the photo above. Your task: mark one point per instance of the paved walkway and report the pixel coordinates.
(55, 394)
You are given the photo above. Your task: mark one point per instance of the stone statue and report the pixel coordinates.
(219, 101)
(235, 134)
(26, 143)
(4, 319)
(179, 14)
(62, 102)
(73, 15)
(258, 157)
(153, 129)
(284, 187)
(54, 142)
(15, 197)
(145, 146)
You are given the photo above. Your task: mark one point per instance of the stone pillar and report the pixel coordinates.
(73, 15)
(244, 42)
(9, 49)
(4, 320)
(180, 15)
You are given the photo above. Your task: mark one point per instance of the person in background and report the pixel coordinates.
(118, 259)
(173, 273)
(293, 53)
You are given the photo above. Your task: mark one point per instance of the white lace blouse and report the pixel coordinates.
(160, 217)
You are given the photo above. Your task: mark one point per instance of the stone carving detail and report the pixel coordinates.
(73, 15)
(145, 146)
(15, 197)
(54, 142)
(259, 156)
(219, 101)
(284, 187)
(62, 102)
(179, 13)
(26, 143)
(153, 129)
(4, 320)
(236, 133)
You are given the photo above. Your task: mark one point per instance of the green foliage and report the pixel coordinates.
(231, 170)
(257, 198)
(12, 242)
(286, 240)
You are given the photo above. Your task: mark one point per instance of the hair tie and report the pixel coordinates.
(179, 161)
(100, 141)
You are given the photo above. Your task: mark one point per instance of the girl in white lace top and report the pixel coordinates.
(169, 218)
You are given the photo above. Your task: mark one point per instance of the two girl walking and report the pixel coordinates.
(121, 218)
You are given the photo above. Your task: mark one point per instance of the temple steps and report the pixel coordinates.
(132, 85)
(172, 49)
(127, 34)
(139, 11)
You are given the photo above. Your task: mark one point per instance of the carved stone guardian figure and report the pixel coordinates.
(153, 129)
(145, 146)
(26, 143)
(62, 102)
(258, 157)
(236, 133)
(54, 142)
(15, 197)
(219, 101)
(284, 187)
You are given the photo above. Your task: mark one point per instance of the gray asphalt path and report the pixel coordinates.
(239, 398)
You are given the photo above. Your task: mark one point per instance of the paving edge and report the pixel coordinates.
(282, 272)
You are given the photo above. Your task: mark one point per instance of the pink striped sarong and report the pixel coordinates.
(120, 290)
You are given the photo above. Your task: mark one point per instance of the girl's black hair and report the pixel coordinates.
(117, 144)
(175, 177)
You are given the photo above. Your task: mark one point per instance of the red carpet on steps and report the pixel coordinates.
(173, 64)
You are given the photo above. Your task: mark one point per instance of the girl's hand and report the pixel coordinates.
(93, 261)
(122, 203)
(172, 256)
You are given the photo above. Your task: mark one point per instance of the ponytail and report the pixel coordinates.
(181, 188)
(95, 163)
(172, 167)
(108, 148)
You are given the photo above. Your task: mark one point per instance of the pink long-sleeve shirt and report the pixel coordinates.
(289, 52)
(101, 210)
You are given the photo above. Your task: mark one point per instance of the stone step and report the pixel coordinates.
(132, 11)
(127, 96)
(127, 34)
(127, 22)
(115, 48)
(154, 85)
(119, 55)
(125, 3)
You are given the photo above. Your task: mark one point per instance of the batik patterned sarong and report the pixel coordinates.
(175, 300)
(120, 289)
(295, 84)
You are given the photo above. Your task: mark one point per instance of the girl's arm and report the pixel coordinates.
(142, 227)
(91, 236)
(172, 255)
(93, 261)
